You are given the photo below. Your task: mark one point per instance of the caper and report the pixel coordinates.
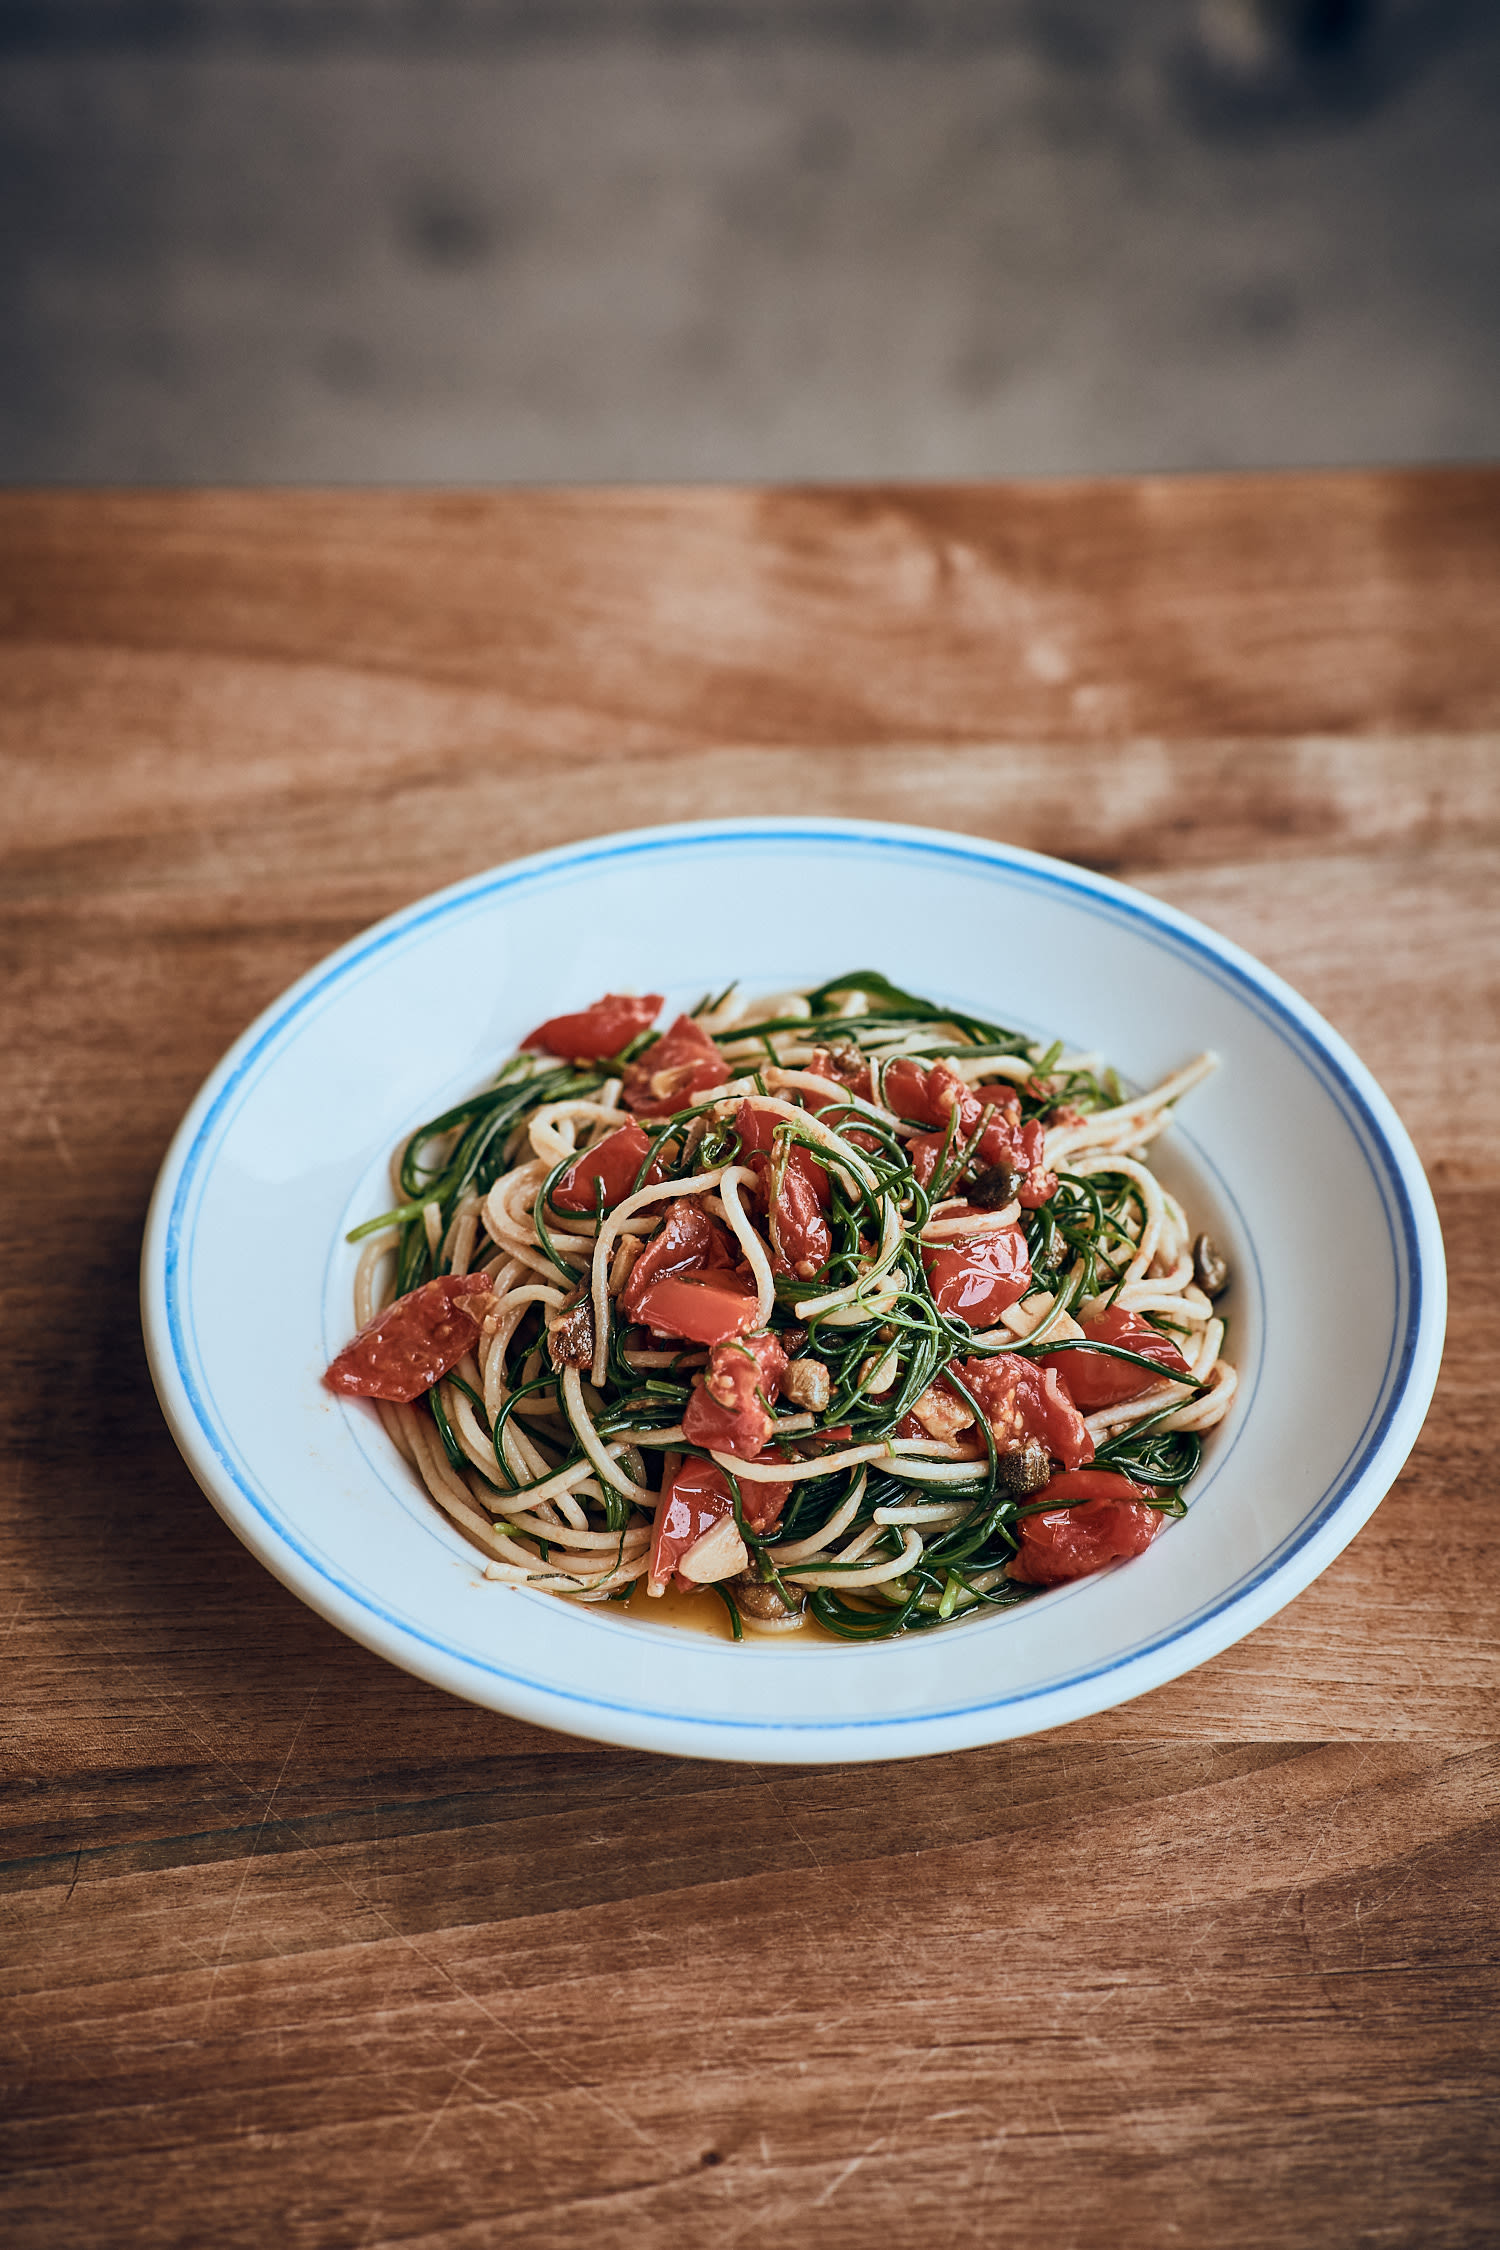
(753, 1598)
(994, 1188)
(1210, 1266)
(1025, 1470)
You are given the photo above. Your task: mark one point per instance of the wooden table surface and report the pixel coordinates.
(299, 1951)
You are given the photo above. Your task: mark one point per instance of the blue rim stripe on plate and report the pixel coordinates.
(1161, 924)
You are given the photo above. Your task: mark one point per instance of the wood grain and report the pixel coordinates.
(302, 1951)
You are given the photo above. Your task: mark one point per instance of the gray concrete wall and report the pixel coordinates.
(608, 239)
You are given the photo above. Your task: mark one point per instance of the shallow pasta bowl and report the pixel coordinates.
(1289, 1155)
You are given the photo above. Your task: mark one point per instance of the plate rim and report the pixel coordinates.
(1332, 1522)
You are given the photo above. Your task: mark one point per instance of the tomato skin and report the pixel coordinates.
(1022, 1399)
(692, 1500)
(598, 1031)
(1099, 1517)
(930, 1097)
(1096, 1380)
(840, 1070)
(404, 1350)
(615, 1160)
(976, 1276)
(705, 1307)
(801, 1238)
(673, 1071)
(687, 1241)
(729, 1411)
(1039, 1185)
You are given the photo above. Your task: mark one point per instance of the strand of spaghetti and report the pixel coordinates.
(1201, 1361)
(929, 1471)
(571, 1537)
(926, 1511)
(1204, 1413)
(1057, 1321)
(604, 1243)
(375, 1248)
(590, 1568)
(817, 1131)
(892, 1234)
(395, 1430)
(1149, 1296)
(517, 1230)
(593, 1445)
(563, 1507)
(1175, 1235)
(443, 1482)
(788, 1425)
(466, 1429)
(730, 1182)
(549, 1578)
(561, 1480)
(523, 1457)
(971, 1223)
(1127, 1167)
(499, 1327)
(1158, 1292)
(795, 1472)
(545, 1126)
(798, 1549)
(605, 1589)
(874, 1575)
(458, 1242)
(857, 1546)
(1132, 1121)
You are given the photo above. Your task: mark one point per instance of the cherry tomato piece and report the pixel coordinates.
(976, 1276)
(673, 1071)
(598, 1031)
(730, 1411)
(693, 1498)
(801, 1238)
(407, 1348)
(1095, 1379)
(1021, 1399)
(705, 1308)
(1100, 1517)
(616, 1160)
(1039, 1185)
(687, 1241)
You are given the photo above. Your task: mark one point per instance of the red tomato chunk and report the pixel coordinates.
(692, 1500)
(404, 1350)
(976, 1276)
(687, 1241)
(616, 1160)
(673, 1071)
(731, 1411)
(598, 1031)
(1022, 1400)
(801, 1238)
(705, 1308)
(1099, 1517)
(1095, 1379)
(931, 1097)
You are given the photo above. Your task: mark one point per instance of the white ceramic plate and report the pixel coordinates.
(1291, 1156)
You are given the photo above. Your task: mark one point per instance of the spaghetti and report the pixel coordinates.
(847, 1306)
